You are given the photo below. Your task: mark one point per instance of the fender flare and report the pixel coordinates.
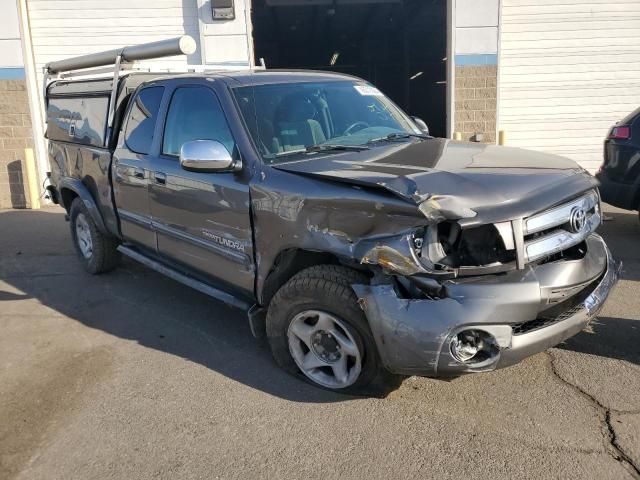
(83, 193)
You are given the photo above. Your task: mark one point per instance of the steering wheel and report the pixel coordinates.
(353, 128)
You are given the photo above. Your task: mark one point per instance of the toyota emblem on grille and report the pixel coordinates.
(577, 219)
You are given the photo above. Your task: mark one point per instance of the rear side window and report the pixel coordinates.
(80, 120)
(142, 119)
(195, 114)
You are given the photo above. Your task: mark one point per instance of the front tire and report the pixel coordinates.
(318, 332)
(97, 252)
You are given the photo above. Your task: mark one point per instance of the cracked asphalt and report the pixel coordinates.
(130, 375)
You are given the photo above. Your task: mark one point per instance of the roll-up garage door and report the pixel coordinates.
(568, 71)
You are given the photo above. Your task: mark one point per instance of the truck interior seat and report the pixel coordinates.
(296, 126)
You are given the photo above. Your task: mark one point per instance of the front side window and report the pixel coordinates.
(289, 117)
(195, 114)
(142, 120)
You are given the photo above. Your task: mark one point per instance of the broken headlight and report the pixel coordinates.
(444, 250)
(447, 245)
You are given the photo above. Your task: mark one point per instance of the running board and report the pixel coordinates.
(220, 295)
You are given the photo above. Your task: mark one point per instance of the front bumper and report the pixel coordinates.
(527, 311)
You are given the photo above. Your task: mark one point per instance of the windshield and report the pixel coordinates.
(295, 118)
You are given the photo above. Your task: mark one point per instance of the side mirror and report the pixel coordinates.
(422, 126)
(205, 156)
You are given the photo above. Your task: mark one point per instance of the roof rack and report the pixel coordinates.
(121, 62)
(129, 68)
(115, 60)
(184, 45)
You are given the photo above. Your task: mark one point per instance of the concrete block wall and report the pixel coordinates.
(15, 136)
(475, 102)
(476, 25)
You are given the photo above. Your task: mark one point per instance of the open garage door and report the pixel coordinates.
(399, 45)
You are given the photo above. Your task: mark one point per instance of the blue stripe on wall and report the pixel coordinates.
(481, 59)
(12, 74)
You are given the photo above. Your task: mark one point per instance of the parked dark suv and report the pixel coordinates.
(359, 245)
(620, 173)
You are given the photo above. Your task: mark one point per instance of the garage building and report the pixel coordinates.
(553, 77)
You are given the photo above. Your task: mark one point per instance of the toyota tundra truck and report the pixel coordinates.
(361, 247)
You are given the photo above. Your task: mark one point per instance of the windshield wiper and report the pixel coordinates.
(324, 147)
(399, 136)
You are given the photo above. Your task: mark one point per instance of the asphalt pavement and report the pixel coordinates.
(130, 375)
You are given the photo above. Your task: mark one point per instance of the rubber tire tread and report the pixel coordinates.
(105, 255)
(328, 288)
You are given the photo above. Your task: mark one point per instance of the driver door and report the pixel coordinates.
(202, 220)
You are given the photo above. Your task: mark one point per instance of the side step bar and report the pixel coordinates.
(220, 295)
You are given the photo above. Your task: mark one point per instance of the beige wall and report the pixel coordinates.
(475, 107)
(15, 135)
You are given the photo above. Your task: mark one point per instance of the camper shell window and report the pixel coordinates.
(81, 120)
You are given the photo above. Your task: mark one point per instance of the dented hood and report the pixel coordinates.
(498, 183)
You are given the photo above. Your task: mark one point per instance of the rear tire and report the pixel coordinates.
(97, 251)
(318, 332)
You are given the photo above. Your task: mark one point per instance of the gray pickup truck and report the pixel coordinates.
(362, 248)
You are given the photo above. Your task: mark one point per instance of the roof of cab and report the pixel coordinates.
(264, 77)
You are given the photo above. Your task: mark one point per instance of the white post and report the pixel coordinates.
(35, 100)
(499, 52)
(451, 66)
(249, 32)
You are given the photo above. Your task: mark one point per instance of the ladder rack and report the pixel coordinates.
(118, 63)
(122, 62)
(129, 68)
(184, 45)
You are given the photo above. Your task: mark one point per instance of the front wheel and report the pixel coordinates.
(97, 252)
(317, 330)
(325, 349)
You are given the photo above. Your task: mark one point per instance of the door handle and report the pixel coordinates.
(160, 178)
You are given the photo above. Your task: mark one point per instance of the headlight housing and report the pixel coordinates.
(448, 245)
(444, 250)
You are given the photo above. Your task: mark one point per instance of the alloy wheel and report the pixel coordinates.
(324, 349)
(83, 236)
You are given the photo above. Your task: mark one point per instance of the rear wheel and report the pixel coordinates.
(317, 331)
(97, 252)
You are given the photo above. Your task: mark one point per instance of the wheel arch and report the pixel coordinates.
(72, 188)
(289, 262)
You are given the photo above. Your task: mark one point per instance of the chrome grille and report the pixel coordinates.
(561, 227)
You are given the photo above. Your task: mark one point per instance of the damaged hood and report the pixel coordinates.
(497, 183)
